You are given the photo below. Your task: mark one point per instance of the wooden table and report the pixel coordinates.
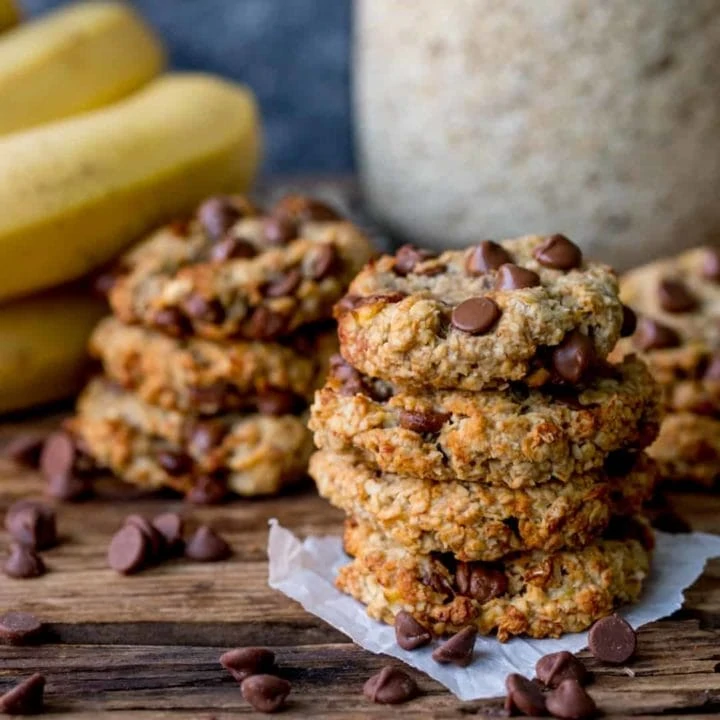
(147, 646)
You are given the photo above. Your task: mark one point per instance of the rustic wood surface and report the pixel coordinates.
(147, 646)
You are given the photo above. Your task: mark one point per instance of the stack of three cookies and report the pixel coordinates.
(221, 331)
(490, 460)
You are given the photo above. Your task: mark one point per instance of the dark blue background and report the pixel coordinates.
(293, 53)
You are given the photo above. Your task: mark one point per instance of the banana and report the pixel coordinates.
(74, 60)
(43, 346)
(75, 193)
(9, 14)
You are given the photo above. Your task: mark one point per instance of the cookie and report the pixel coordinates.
(231, 272)
(537, 594)
(512, 437)
(252, 454)
(528, 309)
(205, 377)
(688, 449)
(474, 521)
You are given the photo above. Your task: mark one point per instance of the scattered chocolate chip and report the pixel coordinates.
(217, 215)
(285, 284)
(674, 296)
(241, 663)
(612, 640)
(170, 525)
(480, 582)
(408, 256)
(321, 261)
(32, 524)
(712, 372)
(458, 649)
(391, 686)
(19, 628)
(488, 255)
(207, 546)
(277, 402)
(129, 550)
(552, 669)
(23, 563)
(711, 264)
(175, 462)
(409, 633)
(207, 490)
(670, 522)
(24, 449)
(652, 335)
(232, 248)
(266, 693)
(573, 357)
(279, 231)
(559, 253)
(58, 455)
(26, 698)
(629, 322)
(68, 488)
(570, 701)
(265, 324)
(155, 539)
(476, 315)
(305, 209)
(514, 277)
(208, 311)
(423, 421)
(524, 696)
(171, 321)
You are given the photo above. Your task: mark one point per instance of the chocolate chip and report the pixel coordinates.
(171, 321)
(712, 372)
(19, 628)
(32, 523)
(305, 209)
(26, 698)
(285, 284)
(652, 335)
(711, 264)
(206, 435)
(217, 215)
(265, 324)
(129, 550)
(241, 663)
(612, 640)
(279, 231)
(488, 255)
(207, 490)
(170, 525)
(476, 315)
(207, 546)
(476, 580)
(68, 488)
(570, 701)
(670, 522)
(23, 563)
(277, 402)
(457, 650)
(552, 669)
(674, 296)
(573, 357)
(437, 582)
(619, 463)
(266, 693)
(514, 277)
(58, 455)
(24, 449)
(209, 399)
(208, 311)
(391, 686)
(408, 256)
(175, 462)
(524, 696)
(232, 248)
(559, 253)
(321, 261)
(629, 322)
(409, 633)
(155, 539)
(423, 421)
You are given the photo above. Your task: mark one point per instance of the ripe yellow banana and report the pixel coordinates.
(43, 346)
(75, 193)
(9, 14)
(74, 60)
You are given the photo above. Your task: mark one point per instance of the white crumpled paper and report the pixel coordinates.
(305, 572)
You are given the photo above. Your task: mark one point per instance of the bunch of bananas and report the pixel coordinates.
(96, 148)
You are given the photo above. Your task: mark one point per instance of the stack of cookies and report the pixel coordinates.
(222, 329)
(678, 335)
(488, 457)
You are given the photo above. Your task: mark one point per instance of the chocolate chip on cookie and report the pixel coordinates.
(265, 324)
(232, 248)
(217, 215)
(475, 316)
(514, 277)
(486, 256)
(408, 256)
(480, 582)
(629, 322)
(279, 231)
(573, 357)
(558, 252)
(301, 208)
(653, 335)
(711, 264)
(674, 296)
(175, 462)
(284, 284)
(425, 421)
(320, 262)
